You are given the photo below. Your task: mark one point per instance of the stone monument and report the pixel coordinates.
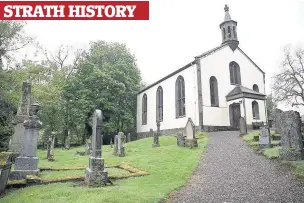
(243, 126)
(180, 139)
(190, 140)
(50, 153)
(121, 148)
(277, 120)
(115, 145)
(156, 135)
(27, 162)
(22, 114)
(96, 174)
(291, 137)
(264, 137)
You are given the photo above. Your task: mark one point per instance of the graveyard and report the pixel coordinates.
(161, 170)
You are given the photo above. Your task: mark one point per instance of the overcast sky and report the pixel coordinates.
(178, 30)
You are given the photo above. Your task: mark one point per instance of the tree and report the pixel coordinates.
(289, 83)
(271, 104)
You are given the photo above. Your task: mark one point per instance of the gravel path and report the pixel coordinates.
(231, 172)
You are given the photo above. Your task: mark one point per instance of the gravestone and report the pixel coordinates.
(95, 174)
(27, 162)
(111, 143)
(129, 137)
(51, 147)
(291, 137)
(264, 137)
(121, 148)
(190, 140)
(88, 146)
(180, 139)
(22, 114)
(156, 136)
(243, 126)
(277, 120)
(115, 145)
(151, 134)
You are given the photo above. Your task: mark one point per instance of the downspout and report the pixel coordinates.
(199, 93)
(266, 115)
(244, 106)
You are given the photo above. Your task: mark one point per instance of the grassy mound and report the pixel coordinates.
(169, 167)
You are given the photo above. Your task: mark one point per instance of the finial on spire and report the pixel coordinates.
(226, 8)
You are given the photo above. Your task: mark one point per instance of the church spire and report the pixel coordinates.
(229, 33)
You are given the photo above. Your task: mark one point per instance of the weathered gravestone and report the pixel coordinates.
(291, 137)
(121, 148)
(50, 152)
(115, 145)
(22, 114)
(190, 140)
(156, 135)
(277, 120)
(264, 136)
(128, 137)
(95, 173)
(243, 126)
(180, 139)
(27, 162)
(88, 146)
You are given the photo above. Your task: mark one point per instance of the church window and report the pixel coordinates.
(224, 34)
(255, 110)
(234, 32)
(229, 32)
(255, 88)
(180, 97)
(144, 110)
(159, 104)
(235, 74)
(214, 92)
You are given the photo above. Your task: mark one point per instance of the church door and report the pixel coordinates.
(235, 115)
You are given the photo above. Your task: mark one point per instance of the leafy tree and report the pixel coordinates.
(289, 83)
(271, 104)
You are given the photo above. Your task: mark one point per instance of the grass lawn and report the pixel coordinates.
(169, 167)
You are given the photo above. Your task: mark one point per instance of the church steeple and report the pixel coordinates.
(229, 33)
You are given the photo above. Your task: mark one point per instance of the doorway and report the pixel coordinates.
(235, 115)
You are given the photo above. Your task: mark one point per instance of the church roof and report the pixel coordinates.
(244, 92)
(203, 55)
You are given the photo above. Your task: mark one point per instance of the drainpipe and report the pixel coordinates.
(244, 106)
(199, 93)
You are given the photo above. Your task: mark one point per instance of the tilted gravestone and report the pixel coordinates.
(277, 120)
(95, 173)
(22, 114)
(156, 136)
(180, 139)
(121, 148)
(190, 140)
(243, 126)
(264, 137)
(291, 137)
(27, 162)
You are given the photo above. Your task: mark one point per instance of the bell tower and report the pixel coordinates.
(229, 32)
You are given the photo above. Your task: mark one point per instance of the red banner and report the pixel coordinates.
(74, 10)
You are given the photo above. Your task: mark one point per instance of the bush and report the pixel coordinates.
(6, 128)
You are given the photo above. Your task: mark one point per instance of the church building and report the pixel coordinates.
(214, 90)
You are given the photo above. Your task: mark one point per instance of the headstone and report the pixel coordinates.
(95, 173)
(190, 140)
(180, 139)
(27, 162)
(243, 126)
(291, 137)
(121, 148)
(129, 137)
(51, 147)
(264, 136)
(22, 114)
(156, 135)
(151, 133)
(277, 120)
(115, 145)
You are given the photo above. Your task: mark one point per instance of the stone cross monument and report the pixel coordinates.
(95, 174)
(27, 162)
(22, 114)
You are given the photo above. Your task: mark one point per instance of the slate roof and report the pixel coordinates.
(241, 89)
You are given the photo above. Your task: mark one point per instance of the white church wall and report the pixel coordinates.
(169, 119)
(249, 115)
(217, 64)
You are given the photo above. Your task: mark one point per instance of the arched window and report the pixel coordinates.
(180, 97)
(234, 32)
(224, 34)
(229, 32)
(159, 104)
(255, 88)
(214, 92)
(144, 109)
(235, 74)
(255, 110)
